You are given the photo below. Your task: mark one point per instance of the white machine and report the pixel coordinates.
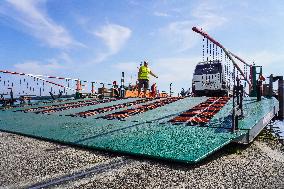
(209, 79)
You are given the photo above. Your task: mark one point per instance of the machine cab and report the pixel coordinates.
(209, 79)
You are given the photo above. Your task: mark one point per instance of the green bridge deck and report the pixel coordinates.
(146, 134)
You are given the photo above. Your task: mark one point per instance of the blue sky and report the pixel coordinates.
(97, 39)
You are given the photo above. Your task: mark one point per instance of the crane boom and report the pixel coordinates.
(228, 53)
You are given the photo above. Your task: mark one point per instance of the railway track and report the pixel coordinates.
(96, 111)
(202, 113)
(67, 106)
(133, 111)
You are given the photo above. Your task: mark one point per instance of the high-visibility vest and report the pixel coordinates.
(144, 72)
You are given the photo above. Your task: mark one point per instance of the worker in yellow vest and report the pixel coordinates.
(143, 78)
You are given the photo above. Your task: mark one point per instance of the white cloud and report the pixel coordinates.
(35, 67)
(208, 15)
(179, 33)
(272, 62)
(266, 58)
(127, 66)
(161, 14)
(114, 36)
(31, 14)
(175, 69)
(65, 57)
(61, 63)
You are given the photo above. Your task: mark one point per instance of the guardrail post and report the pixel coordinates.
(241, 100)
(234, 111)
(258, 90)
(270, 93)
(281, 97)
(93, 87)
(122, 89)
(171, 89)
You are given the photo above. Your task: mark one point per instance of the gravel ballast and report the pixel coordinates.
(27, 161)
